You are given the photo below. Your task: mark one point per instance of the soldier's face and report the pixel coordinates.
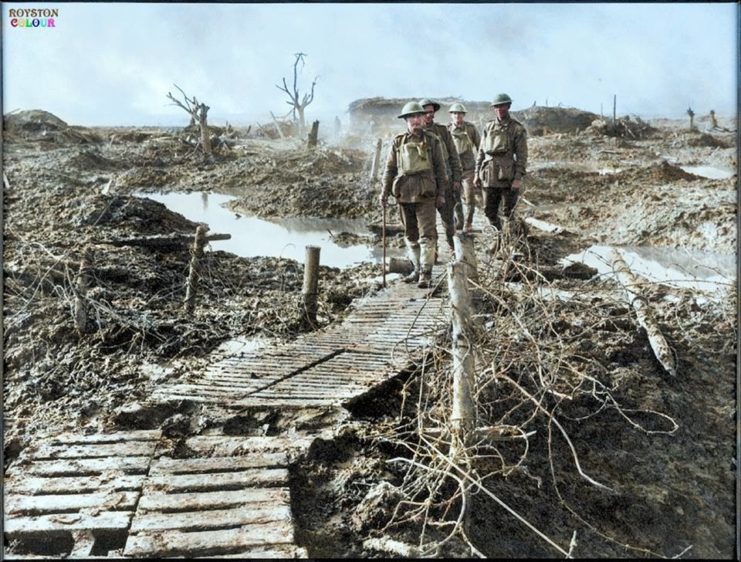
(415, 122)
(429, 114)
(501, 110)
(457, 117)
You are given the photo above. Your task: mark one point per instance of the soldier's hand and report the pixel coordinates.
(457, 186)
(383, 199)
(516, 184)
(477, 181)
(440, 201)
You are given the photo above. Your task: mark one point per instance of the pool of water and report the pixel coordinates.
(704, 271)
(710, 172)
(286, 238)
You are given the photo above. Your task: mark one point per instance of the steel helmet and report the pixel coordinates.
(501, 99)
(411, 108)
(457, 108)
(428, 101)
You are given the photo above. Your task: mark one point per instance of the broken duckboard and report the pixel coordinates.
(379, 339)
(218, 504)
(70, 489)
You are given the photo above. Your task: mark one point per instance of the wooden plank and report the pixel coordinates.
(268, 552)
(63, 451)
(224, 446)
(71, 485)
(17, 527)
(215, 481)
(81, 467)
(176, 543)
(15, 504)
(214, 518)
(218, 464)
(115, 437)
(281, 403)
(212, 500)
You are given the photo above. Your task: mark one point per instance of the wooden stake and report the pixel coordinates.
(196, 253)
(383, 237)
(82, 320)
(633, 295)
(466, 253)
(463, 414)
(311, 282)
(376, 163)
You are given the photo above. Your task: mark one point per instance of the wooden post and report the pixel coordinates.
(314, 134)
(463, 414)
(311, 282)
(82, 320)
(196, 253)
(277, 126)
(376, 163)
(614, 109)
(656, 339)
(466, 253)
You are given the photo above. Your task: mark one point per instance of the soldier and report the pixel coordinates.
(452, 170)
(501, 161)
(415, 174)
(466, 139)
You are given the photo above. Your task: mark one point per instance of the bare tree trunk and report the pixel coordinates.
(376, 163)
(301, 122)
(205, 136)
(82, 320)
(311, 283)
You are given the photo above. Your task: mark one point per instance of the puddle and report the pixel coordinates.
(709, 172)
(253, 237)
(703, 271)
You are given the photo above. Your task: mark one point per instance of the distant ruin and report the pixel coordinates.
(378, 116)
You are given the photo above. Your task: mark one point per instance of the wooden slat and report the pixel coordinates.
(218, 464)
(262, 552)
(216, 481)
(65, 502)
(116, 437)
(224, 446)
(175, 543)
(64, 451)
(71, 485)
(215, 518)
(70, 467)
(105, 521)
(212, 500)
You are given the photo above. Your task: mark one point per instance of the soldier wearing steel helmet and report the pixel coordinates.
(466, 139)
(452, 205)
(501, 162)
(415, 175)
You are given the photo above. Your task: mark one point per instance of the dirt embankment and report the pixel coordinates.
(69, 190)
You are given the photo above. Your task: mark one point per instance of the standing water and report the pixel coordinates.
(253, 237)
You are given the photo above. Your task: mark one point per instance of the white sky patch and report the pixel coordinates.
(113, 64)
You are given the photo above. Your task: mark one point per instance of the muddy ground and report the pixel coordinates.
(69, 190)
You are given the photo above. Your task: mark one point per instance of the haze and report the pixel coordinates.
(113, 64)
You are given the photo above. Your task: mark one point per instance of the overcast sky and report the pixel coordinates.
(113, 64)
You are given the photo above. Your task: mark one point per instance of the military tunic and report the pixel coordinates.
(501, 159)
(417, 193)
(467, 139)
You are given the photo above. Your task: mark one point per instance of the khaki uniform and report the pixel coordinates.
(415, 175)
(467, 139)
(453, 173)
(501, 159)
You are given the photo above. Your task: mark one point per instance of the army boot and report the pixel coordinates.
(413, 254)
(425, 277)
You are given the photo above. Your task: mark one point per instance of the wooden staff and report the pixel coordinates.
(383, 237)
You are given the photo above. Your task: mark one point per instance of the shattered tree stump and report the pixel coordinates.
(314, 134)
(638, 302)
(82, 320)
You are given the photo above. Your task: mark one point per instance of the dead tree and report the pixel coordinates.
(297, 102)
(692, 118)
(198, 114)
(313, 135)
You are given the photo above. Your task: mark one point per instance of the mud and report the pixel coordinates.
(70, 189)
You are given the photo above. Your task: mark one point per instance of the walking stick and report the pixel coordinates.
(383, 236)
